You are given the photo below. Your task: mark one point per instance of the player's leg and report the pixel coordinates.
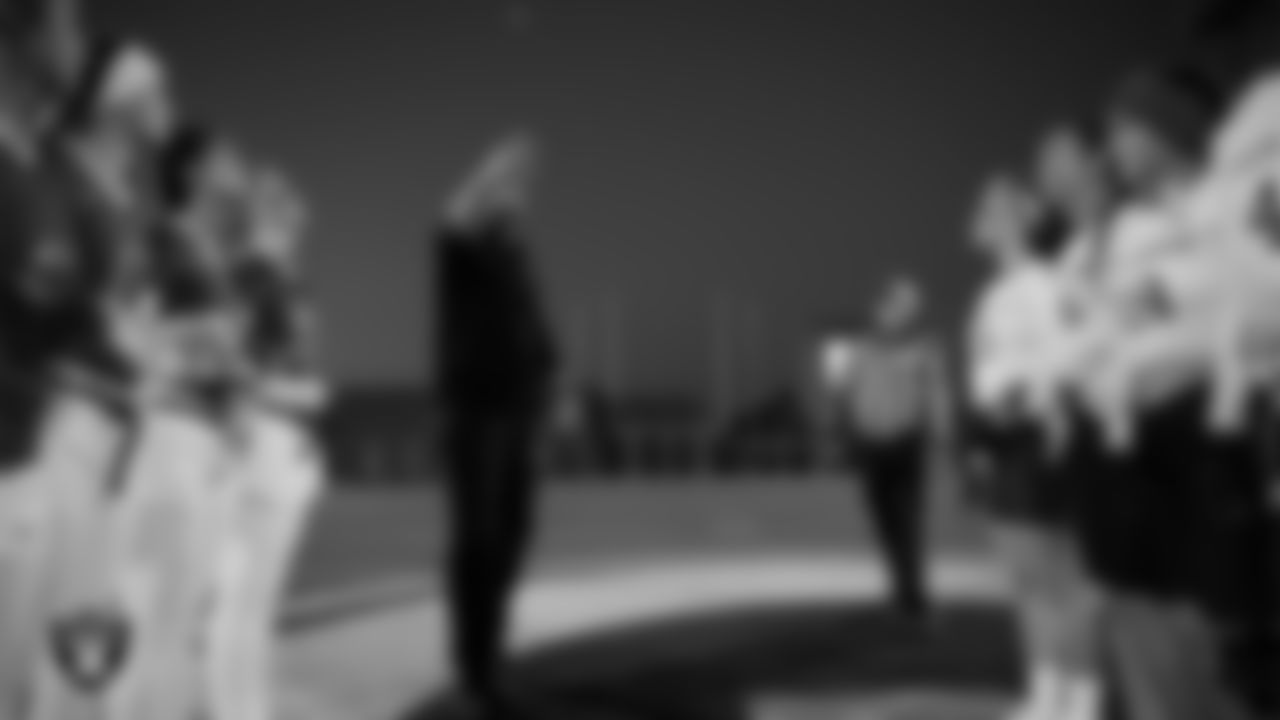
(1157, 635)
(1072, 597)
(895, 478)
(1240, 558)
(88, 628)
(24, 532)
(285, 486)
(1028, 547)
(171, 530)
(226, 687)
(515, 501)
(474, 447)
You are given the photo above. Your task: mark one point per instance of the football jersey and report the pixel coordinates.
(1252, 129)
(1015, 338)
(891, 387)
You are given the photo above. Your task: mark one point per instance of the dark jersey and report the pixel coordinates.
(495, 346)
(46, 273)
(114, 262)
(278, 332)
(45, 287)
(269, 303)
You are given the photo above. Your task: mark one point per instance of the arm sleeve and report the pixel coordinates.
(994, 370)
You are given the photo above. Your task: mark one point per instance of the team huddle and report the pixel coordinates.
(1123, 370)
(157, 378)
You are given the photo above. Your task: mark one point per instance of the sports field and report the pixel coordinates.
(703, 599)
(368, 532)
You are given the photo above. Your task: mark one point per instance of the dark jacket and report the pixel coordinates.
(495, 347)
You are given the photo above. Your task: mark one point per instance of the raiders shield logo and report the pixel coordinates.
(90, 648)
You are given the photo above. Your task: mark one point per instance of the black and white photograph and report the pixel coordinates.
(640, 360)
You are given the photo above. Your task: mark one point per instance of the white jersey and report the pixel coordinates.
(1252, 129)
(1144, 349)
(1016, 338)
(1182, 281)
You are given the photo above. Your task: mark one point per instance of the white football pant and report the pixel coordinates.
(275, 489)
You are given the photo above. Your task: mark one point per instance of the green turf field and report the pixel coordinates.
(366, 533)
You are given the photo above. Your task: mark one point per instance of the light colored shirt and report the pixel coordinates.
(1252, 129)
(1015, 337)
(893, 388)
(1181, 279)
(836, 359)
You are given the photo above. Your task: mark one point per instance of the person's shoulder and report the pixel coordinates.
(1141, 227)
(1030, 280)
(991, 295)
(1252, 125)
(1022, 295)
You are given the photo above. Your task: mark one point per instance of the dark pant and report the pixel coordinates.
(490, 457)
(1240, 571)
(1179, 526)
(894, 475)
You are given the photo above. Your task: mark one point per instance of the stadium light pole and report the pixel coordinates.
(723, 368)
(618, 345)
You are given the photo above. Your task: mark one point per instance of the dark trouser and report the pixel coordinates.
(1175, 531)
(491, 467)
(894, 473)
(1240, 575)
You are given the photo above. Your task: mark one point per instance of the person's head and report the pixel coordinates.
(1146, 161)
(1073, 176)
(42, 51)
(513, 166)
(200, 169)
(123, 97)
(1157, 129)
(203, 188)
(280, 218)
(1002, 222)
(899, 305)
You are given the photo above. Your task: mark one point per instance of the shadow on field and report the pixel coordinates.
(809, 662)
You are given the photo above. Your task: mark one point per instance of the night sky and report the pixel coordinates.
(781, 155)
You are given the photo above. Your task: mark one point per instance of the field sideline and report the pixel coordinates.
(365, 534)
(798, 540)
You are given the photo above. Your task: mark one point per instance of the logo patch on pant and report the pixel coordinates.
(90, 648)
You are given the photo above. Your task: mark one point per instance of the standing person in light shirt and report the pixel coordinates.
(896, 411)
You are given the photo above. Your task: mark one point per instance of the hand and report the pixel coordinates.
(292, 395)
(281, 216)
(499, 185)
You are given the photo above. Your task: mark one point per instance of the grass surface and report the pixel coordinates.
(808, 662)
(719, 667)
(365, 533)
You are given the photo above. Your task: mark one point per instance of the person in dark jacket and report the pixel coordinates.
(496, 361)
